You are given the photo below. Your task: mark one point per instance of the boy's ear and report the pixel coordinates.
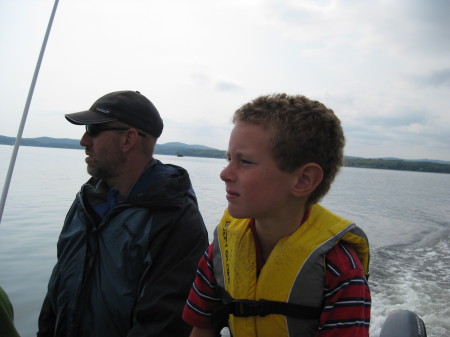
(308, 177)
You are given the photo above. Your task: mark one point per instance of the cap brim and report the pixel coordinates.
(88, 117)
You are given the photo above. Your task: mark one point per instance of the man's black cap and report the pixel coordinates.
(129, 107)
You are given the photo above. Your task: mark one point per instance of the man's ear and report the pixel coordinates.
(308, 177)
(130, 138)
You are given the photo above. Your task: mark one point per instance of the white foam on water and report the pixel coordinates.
(415, 278)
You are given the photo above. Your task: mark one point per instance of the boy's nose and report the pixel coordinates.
(225, 175)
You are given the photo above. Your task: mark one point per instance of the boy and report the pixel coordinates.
(281, 264)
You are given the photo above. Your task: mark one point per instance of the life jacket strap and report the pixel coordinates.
(247, 308)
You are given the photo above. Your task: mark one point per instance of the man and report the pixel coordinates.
(131, 241)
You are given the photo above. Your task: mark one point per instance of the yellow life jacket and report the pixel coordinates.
(294, 273)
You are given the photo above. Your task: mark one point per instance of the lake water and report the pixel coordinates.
(406, 216)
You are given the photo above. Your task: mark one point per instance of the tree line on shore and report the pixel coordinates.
(180, 149)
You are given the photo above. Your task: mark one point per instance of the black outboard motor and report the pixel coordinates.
(403, 323)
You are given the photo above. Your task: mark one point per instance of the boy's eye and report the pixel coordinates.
(227, 156)
(239, 160)
(244, 161)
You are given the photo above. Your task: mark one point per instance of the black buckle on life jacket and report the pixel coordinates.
(247, 308)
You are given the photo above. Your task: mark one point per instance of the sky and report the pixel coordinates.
(383, 66)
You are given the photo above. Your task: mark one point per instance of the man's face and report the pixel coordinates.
(104, 155)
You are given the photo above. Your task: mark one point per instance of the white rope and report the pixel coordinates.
(25, 113)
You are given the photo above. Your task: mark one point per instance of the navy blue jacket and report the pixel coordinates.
(128, 273)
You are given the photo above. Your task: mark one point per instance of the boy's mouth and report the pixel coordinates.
(231, 194)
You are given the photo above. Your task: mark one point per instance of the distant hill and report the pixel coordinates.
(182, 149)
(43, 142)
(187, 146)
(418, 160)
(173, 148)
(399, 164)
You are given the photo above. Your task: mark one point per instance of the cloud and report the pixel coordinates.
(195, 131)
(382, 66)
(228, 86)
(434, 78)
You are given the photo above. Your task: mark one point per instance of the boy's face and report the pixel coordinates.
(255, 186)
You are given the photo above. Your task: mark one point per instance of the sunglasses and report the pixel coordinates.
(94, 130)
